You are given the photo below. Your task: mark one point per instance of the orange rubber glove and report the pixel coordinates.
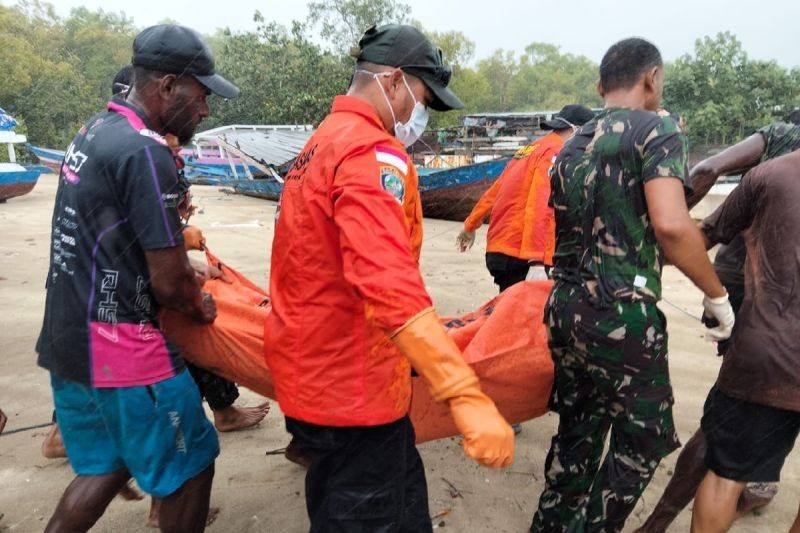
(193, 238)
(487, 436)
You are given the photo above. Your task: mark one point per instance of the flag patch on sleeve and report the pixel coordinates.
(391, 156)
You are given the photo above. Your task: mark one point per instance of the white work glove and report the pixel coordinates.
(536, 273)
(465, 240)
(721, 310)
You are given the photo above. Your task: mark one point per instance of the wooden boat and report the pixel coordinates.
(206, 161)
(452, 193)
(15, 179)
(446, 194)
(48, 157)
(266, 188)
(250, 159)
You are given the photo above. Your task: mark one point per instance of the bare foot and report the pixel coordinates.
(297, 455)
(235, 418)
(155, 511)
(130, 494)
(53, 445)
(756, 496)
(3, 420)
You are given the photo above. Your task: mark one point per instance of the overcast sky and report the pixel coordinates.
(767, 28)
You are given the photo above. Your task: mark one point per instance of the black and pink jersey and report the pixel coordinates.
(117, 197)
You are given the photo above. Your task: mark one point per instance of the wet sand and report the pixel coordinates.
(265, 493)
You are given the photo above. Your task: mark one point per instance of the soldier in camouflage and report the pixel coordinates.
(767, 143)
(618, 195)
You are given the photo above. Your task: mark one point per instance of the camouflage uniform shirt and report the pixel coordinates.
(607, 337)
(604, 238)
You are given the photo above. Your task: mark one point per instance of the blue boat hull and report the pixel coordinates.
(269, 189)
(17, 183)
(48, 157)
(451, 194)
(195, 172)
(446, 194)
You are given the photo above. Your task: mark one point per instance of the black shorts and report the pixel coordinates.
(747, 442)
(506, 270)
(363, 478)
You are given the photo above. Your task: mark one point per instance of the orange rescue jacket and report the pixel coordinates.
(522, 225)
(344, 274)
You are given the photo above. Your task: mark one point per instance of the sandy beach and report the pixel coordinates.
(265, 493)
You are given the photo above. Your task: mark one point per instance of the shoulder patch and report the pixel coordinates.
(387, 155)
(393, 183)
(525, 151)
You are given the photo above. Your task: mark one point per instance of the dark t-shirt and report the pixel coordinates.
(779, 139)
(604, 238)
(762, 364)
(117, 197)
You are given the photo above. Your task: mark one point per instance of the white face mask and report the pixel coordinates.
(406, 132)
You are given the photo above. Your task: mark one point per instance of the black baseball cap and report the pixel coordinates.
(405, 47)
(570, 115)
(122, 81)
(180, 50)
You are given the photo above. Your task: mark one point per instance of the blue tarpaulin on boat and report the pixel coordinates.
(7, 122)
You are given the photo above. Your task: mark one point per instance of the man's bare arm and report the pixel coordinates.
(738, 158)
(175, 285)
(678, 235)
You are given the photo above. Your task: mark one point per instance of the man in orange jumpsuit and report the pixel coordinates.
(350, 314)
(521, 236)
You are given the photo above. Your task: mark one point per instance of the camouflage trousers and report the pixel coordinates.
(611, 374)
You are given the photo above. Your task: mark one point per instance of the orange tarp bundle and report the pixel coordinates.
(504, 341)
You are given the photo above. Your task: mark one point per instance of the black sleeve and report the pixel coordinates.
(149, 195)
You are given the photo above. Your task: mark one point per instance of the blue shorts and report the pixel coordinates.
(158, 432)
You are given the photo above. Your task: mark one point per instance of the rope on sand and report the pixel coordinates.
(27, 428)
(681, 309)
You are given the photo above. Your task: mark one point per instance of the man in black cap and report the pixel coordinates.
(122, 81)
(350, 314)
(521, 234)
(126, 405)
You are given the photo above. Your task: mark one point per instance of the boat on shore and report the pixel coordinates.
(450, 194)
(48, 157)
(250, 159)
(15, 179)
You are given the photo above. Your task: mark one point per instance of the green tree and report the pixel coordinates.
(285, 78)
(57, 72)
(725, 95)
(457, 48)
(549, 79)
(499, 70)
(343, 22)
(97, 44)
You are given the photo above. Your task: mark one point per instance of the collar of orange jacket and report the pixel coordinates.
(553, 138)
(352, 104)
